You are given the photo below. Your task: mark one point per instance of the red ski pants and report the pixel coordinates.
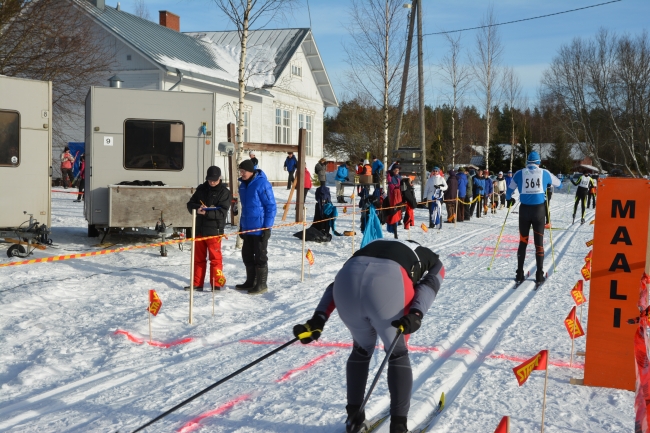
(202, 250)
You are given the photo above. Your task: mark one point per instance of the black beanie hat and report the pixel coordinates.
(247, 165)
(214, 173)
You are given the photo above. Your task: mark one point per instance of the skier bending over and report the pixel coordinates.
(584, 183)
(531, 182)
(386, 284)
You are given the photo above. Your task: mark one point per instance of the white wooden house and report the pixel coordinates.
(288, 86)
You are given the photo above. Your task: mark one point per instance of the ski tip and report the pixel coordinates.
(441, 403)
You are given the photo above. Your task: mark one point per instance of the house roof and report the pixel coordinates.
(283, 43)
(545, 150)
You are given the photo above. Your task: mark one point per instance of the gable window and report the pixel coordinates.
(306, 121)
(282, 126)
(9, 138)
(154, 144)
(296, 70)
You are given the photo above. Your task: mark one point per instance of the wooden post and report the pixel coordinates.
(192, 263)
(548, 355)
(304, 229)
(456, 211)
(300, 175)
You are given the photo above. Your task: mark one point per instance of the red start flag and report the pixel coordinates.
(573, 326)
(219, 279)
(424, 227)
(310, 257)
(154, 302)
(586, 271)
(504, 425)
(537, 362)
(588, 257)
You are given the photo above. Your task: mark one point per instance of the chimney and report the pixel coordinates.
(170, 20)
(99, 4)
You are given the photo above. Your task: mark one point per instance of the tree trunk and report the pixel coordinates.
(386, 86)
(512, 142)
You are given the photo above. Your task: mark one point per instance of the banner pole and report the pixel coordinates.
(304, 228)
(548, 355)
(573, 339)
(192, 263)
(212, 296)
(149, 314)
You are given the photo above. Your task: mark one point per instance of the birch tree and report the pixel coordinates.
(375, 54)
(457, 77)
(512, 93)
(485, 68)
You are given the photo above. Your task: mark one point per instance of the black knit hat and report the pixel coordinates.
(247, 165)
(214, 173)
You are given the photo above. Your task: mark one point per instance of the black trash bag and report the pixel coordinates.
(313, 234)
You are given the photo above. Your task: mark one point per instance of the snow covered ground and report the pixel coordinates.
(74, 355)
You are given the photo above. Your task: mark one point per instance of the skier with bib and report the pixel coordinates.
(385, 285)
(583, 183)
(531, 182)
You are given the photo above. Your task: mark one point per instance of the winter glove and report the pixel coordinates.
(409, 323)
(266, 234)
(511, 202)
(311, 330)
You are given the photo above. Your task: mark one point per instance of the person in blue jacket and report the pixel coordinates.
(531, 182)
(257, 211)
(377, 170)
(488, 190)
(342, 175)
(462, 192)
(479, 194)
(290, 165)
(508, 178)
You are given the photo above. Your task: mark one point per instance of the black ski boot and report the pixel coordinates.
(574, 218)
(582, 220)
(520, 278)
(196, 289)
(540, 277)
(355, 421)
(260, 286)
(250, 279)
(398, 424)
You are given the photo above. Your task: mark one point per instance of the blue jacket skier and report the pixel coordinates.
(531, 182)
(385, 285)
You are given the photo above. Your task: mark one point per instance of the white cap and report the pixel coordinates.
(365, 161)
(500, 172)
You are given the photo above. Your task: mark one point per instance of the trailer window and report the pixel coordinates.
(9, 138)
(153, 145)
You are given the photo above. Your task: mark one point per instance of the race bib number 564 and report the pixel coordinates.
(532, 182)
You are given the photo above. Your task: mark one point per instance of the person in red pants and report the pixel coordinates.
(211, 201)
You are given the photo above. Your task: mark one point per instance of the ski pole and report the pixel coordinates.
(550, 230)
(214, 385)
(350, 425)
(499, 240)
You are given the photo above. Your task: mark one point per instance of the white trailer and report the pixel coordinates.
(25, 163)
(145, 137)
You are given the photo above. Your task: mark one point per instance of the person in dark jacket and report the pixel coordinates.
(405, 278)
(342, 175)
(321, 171)
(450, 196)
(469, 195)
(210, 194)
(82, 179)
(462, 192)
(257, 212)
(290, 165)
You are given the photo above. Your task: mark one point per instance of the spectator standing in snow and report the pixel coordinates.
(377, 170)
(450, 196)
(66, 167)
(254, 160)
(501, 189)
(290, 165)
(394, 199)
(508, 178)
(406, 277)
(257, 212)
(478, 193)
(82, 178)
(488, 190)
(307, 184)
(462, 193)
(469, 196)
(531, 182)
(436, 180)
(342, 175)
(321, 171)
(210, 194)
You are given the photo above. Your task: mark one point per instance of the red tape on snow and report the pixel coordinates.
(193, 424)
(307, 366)
(154, 343)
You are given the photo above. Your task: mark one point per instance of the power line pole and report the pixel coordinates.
(405, 74)
(423, 174)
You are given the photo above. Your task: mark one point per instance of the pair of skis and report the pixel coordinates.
(374, 425)
(537, 285)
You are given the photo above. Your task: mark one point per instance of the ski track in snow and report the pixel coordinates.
(63, 368)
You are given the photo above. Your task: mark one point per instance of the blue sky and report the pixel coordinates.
(528, 47)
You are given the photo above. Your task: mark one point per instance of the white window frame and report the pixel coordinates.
(306, 121)
(282, 125)
(296, 70)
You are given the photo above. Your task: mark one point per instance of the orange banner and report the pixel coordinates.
(573, 326)
(504, 425)
(537, 362)
(219, 279)
(310, 257)
(586, 271)
(424, 227)
(589, 256)
(155, 303)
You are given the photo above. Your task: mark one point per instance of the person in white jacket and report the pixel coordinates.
(436, 182)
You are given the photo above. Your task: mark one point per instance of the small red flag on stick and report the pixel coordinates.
(155, 303)
(537, 362)
(588, 257)
(310, 257)
(504, 425)
(577, 293)
(573, 326)
(424, 227)
(586, 271)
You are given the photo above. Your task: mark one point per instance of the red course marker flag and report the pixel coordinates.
(310, 257)
(573, 326)
(537, 362)
(424, 227)
(504, 425)
(588, 257)
(586, 271)
(155, 303)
